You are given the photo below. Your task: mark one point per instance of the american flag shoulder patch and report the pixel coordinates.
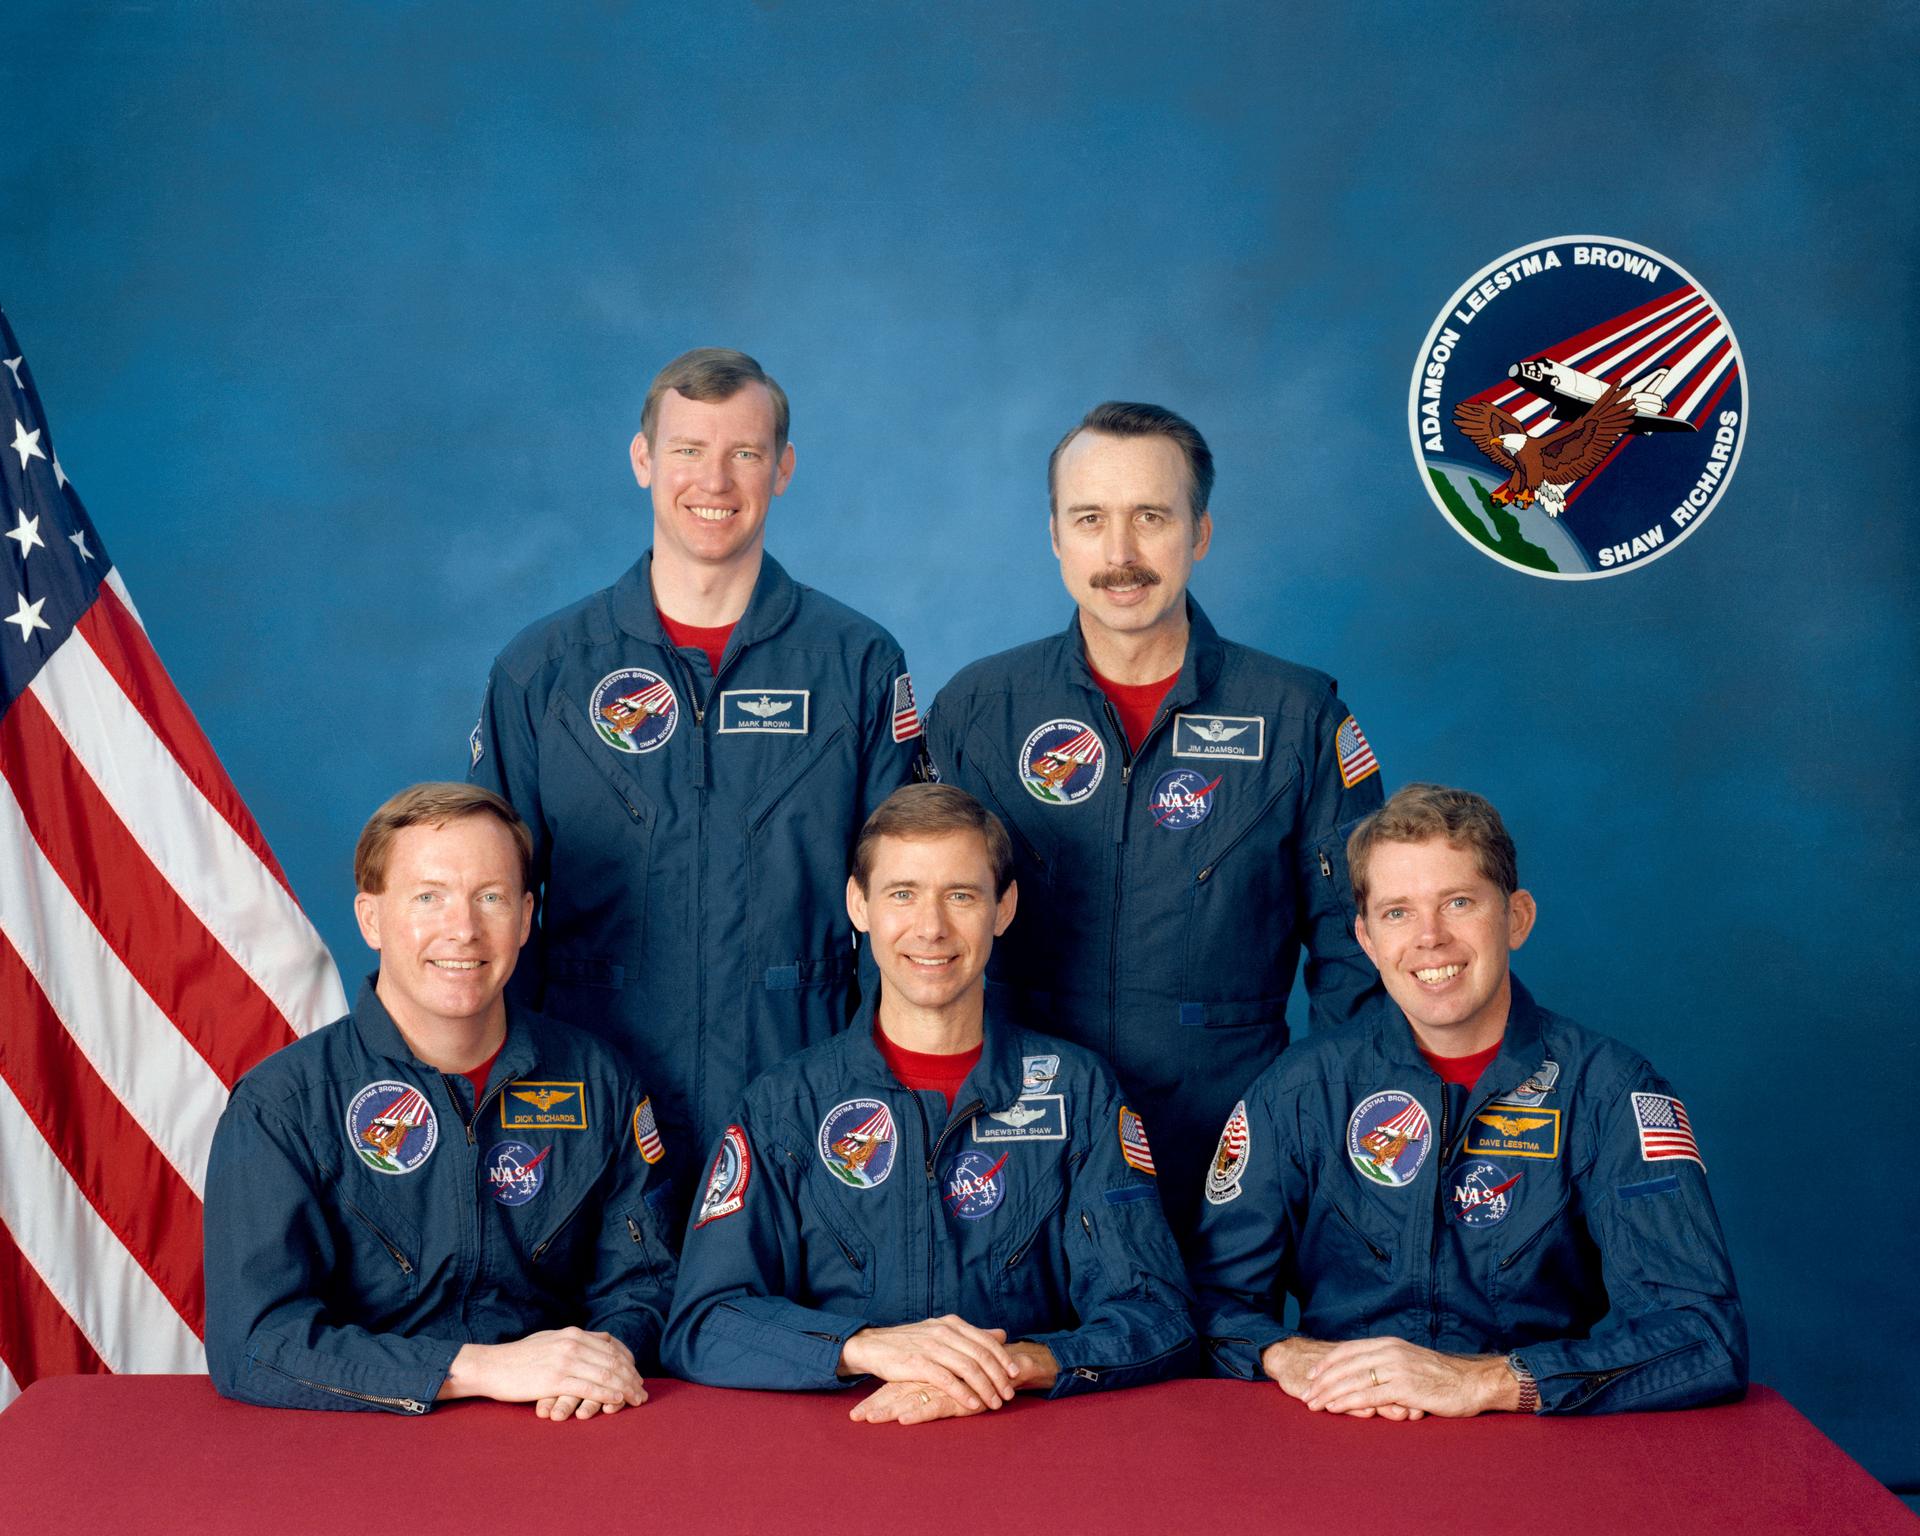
(1665, 1131)
(1133, 1141)
(906, 714)
(646, 1132)
(1356, 757)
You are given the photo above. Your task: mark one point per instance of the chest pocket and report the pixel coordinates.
(840, 1255)
(385, 1254)
(1028, 1258)
(1240, 908)
(601, 824)
(799, 827)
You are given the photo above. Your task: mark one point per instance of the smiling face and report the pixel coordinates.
(1125, 531)
(929, 910)
(713, 470)
(448, 925)
(1441, 933)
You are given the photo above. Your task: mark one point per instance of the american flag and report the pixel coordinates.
(150, 948)
(906, 714)
(1356, 757)
(1664, 1129)
(646, 1132)
(1233, 1140)
(1133, 1141)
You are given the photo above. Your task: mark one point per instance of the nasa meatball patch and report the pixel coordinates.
(1578, 408)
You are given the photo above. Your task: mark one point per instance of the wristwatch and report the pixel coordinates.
(1529, 1388)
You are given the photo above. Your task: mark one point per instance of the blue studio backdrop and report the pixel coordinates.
(342, 315)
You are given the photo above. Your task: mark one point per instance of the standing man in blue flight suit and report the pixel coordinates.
(1178, 803)
(695, 748)
(936, 1200)
(437, 1196)
(1478, 1204)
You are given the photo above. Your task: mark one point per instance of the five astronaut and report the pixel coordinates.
(1084, 930)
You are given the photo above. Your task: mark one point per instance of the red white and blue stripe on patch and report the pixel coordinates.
(906, 714)
(1664, 1129)
(1356, 757)
(1133, 1141)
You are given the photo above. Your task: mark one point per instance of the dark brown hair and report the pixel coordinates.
(1130, 418)
(934, 810)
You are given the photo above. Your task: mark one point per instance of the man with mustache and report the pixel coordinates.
(1178, 803)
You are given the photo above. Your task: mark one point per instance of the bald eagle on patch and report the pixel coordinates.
(1545, 466)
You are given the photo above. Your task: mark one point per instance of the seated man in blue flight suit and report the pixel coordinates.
(361, 1251)
(1478, 1204)
(936, 1199)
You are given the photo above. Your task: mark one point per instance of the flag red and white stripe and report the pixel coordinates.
(151, 949)
(1664, 1128)
(906, 714)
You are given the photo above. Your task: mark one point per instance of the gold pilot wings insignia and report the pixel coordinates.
(555, 1106)
(1535, 1133)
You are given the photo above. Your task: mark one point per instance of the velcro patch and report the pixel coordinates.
(1660, 1186)
(1126, 1194)
(526, 1106)
(757, 711)
(1515, 1133)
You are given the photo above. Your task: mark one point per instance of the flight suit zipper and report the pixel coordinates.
(1128, 758)
(954, 1122)
(403, 1404)
(1439, 1215)
(393, 1248)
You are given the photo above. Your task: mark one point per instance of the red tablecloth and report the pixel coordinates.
(121, 1454)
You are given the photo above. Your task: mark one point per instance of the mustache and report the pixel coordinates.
(1125, 576)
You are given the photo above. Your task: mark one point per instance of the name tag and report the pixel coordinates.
(1515, 1132)
(1217, 736)
(544, 1107)
(754, 710)
(1032, 1117)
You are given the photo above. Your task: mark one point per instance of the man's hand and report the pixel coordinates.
(908, 1402)
(565, 1372)
(921, 1402)
(1379, 1374)
(970, 1365)
(1291, 1363)
(1035, 1368)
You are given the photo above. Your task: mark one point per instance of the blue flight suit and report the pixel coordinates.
(1551, 1211)
(344, 1272)
(840, 1200)
(692, 866)
(1165, 896)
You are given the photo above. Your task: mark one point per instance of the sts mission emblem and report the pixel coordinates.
(1578, 407)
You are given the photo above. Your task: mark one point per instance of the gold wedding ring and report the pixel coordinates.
(924, 1399)
(1374, 1374)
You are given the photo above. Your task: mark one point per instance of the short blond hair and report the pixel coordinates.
(433, 805)
(1417, 812)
